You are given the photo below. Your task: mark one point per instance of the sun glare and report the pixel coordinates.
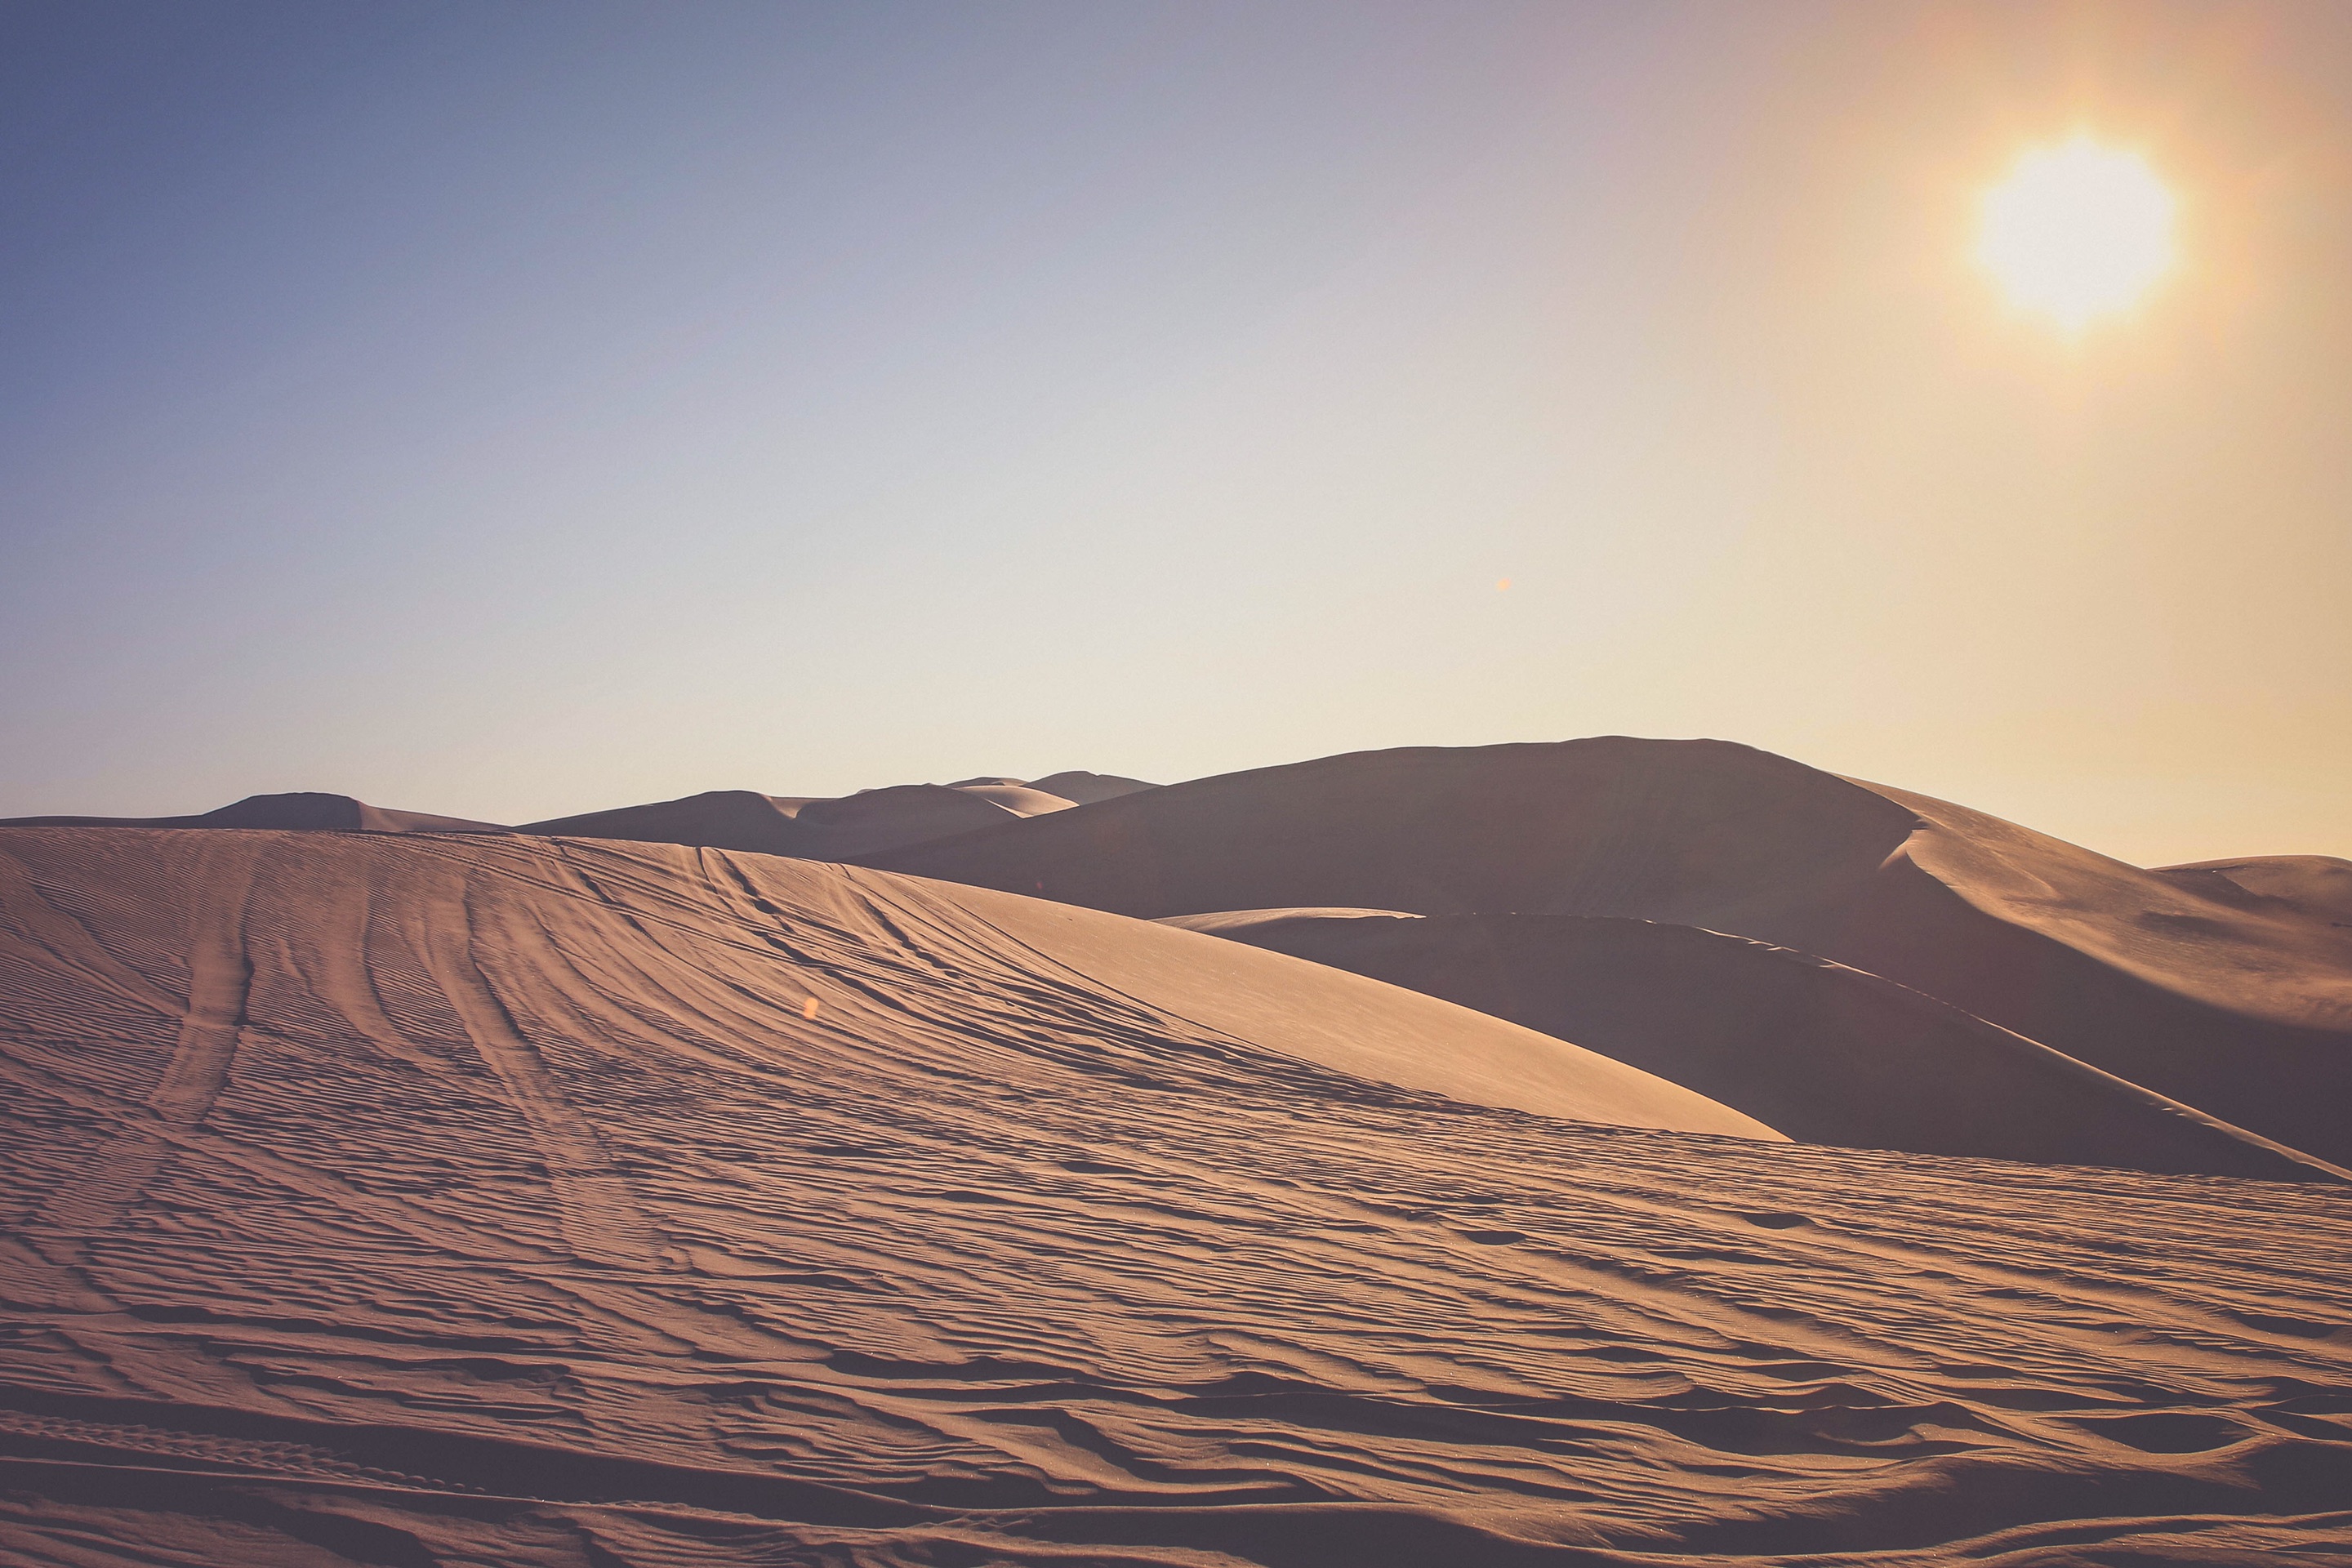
(2078, 231)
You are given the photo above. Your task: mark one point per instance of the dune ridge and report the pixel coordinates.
(2310, 887)
(1827, 1053)
(305, 811)
(2238, 1008)
(842, 828)
(432, 1198)
(807, 827)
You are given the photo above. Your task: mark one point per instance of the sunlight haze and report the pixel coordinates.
(2078, 231)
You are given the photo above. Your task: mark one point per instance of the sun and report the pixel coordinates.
(2078, 231)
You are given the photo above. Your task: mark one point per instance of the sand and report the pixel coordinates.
(303, 811)
(2308, 887)
(839, 827)
(396, 1196)
(813, 827)
(2240, 1007)
(1827, 1053)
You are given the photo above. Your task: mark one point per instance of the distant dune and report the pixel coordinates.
(2239, 1008)
(301, 812)
(839, 828)
(809, 827)
(651, 1187)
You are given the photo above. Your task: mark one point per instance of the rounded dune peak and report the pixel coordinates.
(1611, 825)
(300, 811)
(719, 819)
(1087, 788)
(896, 815)
(835, 827)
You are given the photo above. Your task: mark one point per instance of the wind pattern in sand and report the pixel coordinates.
(438, 1199)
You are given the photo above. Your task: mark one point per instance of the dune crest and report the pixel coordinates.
(842, 827)
(2244, 1014)
(808, 828)
(1824, 1052)
(2316, 887)
(300, 811)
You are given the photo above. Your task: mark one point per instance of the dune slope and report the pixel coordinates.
(2238, 1008)
(2310, 887)
(1823, 1051)
(427, 1199)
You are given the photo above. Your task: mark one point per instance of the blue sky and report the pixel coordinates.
(513, 409)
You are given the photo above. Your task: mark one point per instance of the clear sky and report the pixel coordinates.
(509, 409)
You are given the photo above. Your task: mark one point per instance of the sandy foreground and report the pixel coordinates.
(406, 1190)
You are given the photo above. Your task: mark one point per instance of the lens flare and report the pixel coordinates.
(2078, 231)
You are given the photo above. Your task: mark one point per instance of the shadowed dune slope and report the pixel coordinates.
(903, 813)
(809, 827)
(301, 811)
(715, 819)
(1823, 1051)
(803, 827)
(436, 1199)
(2243, 1012)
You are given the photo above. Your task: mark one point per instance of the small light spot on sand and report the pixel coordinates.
(1502, 584)
(808, 1008)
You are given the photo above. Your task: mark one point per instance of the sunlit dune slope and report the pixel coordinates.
(1824, 1052)
(2243, 1012)
(427, 1199)
(349, 915)
(2310, 887)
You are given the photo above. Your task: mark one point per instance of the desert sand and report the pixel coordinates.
(301, 811)
(1825, 1052)
(391, 1189)
(2238, 1005)
(838, 827)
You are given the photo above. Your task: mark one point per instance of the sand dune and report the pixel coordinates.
(1824, 1052)
(804, 828)
(2241, 1009)
(2316, 887)
(903, 813)
(1015, 795)
(494, 1199)
(1007, 957)
(809, 827)
(302, 811)
(834, 828)
(1085, 788)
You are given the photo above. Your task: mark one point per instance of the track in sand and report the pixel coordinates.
(429, 1198)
